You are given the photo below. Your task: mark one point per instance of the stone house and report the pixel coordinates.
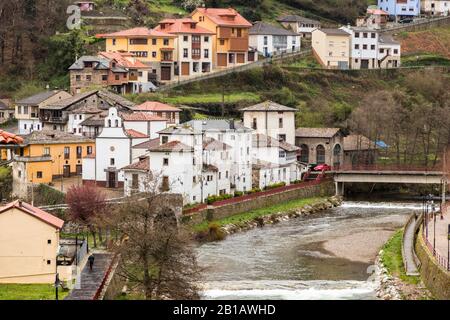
(359, 150)
(320, 145)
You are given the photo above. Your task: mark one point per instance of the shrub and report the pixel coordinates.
(212, 199)
(254, 190)
(45, 195)
(275, 185)
(215, 232)
(238, 194)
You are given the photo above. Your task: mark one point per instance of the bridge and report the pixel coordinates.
(388, 174)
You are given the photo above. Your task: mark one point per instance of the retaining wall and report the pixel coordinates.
(433, 275)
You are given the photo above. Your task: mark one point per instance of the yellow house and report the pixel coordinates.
(45, 155)
(231, 35)
(155, 48)
(29, 241)
(331, 48)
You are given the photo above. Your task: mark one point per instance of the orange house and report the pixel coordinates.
(231, 35)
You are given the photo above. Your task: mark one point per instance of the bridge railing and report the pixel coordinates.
(387, 167)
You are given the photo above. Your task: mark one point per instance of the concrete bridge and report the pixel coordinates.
(387, 174)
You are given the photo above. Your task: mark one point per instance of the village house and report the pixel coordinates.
(300, 25)
(69, 115)
(194, 46)
(372, 50)
(29, 244)
(320, 145)
(374, 19)
(27, 110)
(269, 40)
(331, 48)
(46, 155)
(8, 142)
(121, 131)
(360, 150)
(271, 119)
(400, 9)
(154, 48)
(230, 41)
(170, 113)
(6, 110)
(435, 7)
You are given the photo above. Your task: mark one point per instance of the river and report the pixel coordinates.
(324, 256)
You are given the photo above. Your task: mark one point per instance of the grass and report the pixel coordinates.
(306, 62)
(393, 261)
(29, 292)
(425, 59)
(212, 98)
(248, 216)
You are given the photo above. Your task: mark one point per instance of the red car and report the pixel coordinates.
(322, 167)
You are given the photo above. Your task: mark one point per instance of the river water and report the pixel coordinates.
(290, 260)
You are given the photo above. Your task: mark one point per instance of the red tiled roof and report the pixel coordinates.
(135, 134)
(9, 138)
(377, 11)
(147, 144)
(122, 60)
(140, 116)
(35, 212)
(155, 106)
(135, 32)
(143, 164)
(224, 17)
(171, 146)
(182, 26)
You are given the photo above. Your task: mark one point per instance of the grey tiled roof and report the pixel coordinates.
(269, 106)
(102, 63)
(53, 136)
(387, 39)
(216, 124)
(38, 98)
(316, 132)
(262, 28)
(295, 18)
(334, 32)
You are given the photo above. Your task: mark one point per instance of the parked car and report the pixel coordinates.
(406, 20)
(322, 167)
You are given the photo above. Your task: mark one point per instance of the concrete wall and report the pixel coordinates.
(434, 276)
(323, 189)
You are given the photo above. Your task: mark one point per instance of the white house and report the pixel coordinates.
(271, 119)
(436, 7)
(301, 25)
(370, 50)
(113, 152)
(269, 40)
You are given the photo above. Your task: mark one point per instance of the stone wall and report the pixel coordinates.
(436, 22)
(324, 189)
(433, 275)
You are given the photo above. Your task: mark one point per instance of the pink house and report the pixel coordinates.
(85, 5)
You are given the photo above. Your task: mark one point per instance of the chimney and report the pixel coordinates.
(20, 202)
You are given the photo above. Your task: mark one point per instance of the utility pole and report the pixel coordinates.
(32, 190)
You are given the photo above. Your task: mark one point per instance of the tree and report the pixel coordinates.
(5, 182)
(87, 206)
(156, 255)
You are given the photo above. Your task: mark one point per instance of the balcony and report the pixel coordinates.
(196, 56)
(196, 45)
(239, 44)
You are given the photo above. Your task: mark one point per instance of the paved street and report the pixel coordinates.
(441, 233)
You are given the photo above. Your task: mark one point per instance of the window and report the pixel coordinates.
(66, 152)
(138, 41)
(365, 34)
(117, 77)
(254, 124)
(185, 38)
(222, 42)
(88, 77)
(49, 241)
(79, 152)
(356, 46)
(373, 35)
(372, 47)
(195, 67)
(25, 126)
(78, 78)
(25, 110)
(113, 42)
(206, 39)
(165, 184)
(46, 151)
(280, 123)
(320, 154)
(304, 153)
(265, 40)
(206, 53)
(135, 181)
(165, 161)
(89, 150)
(19, 174)
(185, 53)
(154, 54)
(39, 174)
(164, 139)
(49, 262)
(356, 34)
(104, 77)
(281, 137)
(112, 161)
(166, 42)
(364, 46)
(395, 51)
(154, 42)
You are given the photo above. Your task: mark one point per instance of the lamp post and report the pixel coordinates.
(433, 208)
(57, 284)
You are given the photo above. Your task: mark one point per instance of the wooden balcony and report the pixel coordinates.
(224, 33)
(196, 45)
(239, 44)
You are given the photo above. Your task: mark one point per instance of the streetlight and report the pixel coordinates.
(57, 284)
(433, 208)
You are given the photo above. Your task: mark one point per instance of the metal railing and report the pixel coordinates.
(387, 167)
(439, 257)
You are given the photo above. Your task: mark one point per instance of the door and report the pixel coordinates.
(240, 58)
(66, 171)
(251, 56)
(111, 179)
(185, 67)
(222, 59)
(79, 169)
(166, 73)
(364, 64)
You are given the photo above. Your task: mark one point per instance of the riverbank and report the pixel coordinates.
(219, 229)
(394, 284)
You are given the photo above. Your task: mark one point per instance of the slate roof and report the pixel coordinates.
(316, 132)
(102, 63)
(53, 137)
(141, 165)
(262, 28)
(296, 18)
(387, 39)
(5, 106)
(334, 32)
(35, 212)
(38, 98)
(355, 142)
(216, 125)
(260, 140)
(261, 164)
(269, 106)
(213, 144)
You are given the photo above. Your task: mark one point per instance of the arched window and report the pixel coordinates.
(337, 151)
(304, 153)
(117, 123)
(109, 123)
(320, 154)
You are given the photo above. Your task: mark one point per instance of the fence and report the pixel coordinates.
(387, 167)
(105, 278)
(439, 257)
(413, 25)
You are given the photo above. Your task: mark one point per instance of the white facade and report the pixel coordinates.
(196, 60)
(436, 7)
(269, 45)
(27, 126)
(74, 124)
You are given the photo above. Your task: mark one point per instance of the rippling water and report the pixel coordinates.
(288, 260)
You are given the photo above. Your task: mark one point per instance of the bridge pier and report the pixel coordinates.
(339, 188)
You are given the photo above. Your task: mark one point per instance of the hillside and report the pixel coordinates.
(436, 40)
